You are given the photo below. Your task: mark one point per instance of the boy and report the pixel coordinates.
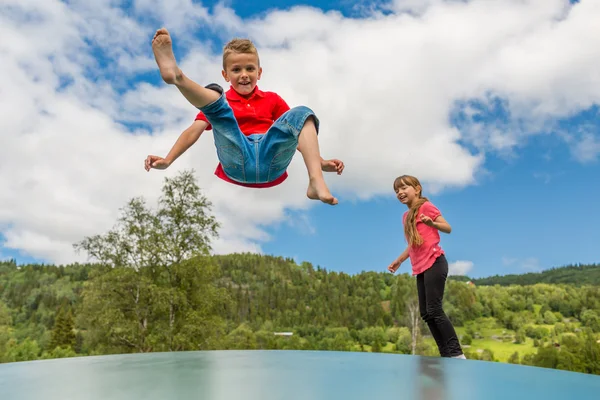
(256, 133)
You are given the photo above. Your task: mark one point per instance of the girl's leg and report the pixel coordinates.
(422, 294)
(435, 282)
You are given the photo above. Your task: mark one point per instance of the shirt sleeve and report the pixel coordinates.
(202, 117)
(430, 210)
(279, 107)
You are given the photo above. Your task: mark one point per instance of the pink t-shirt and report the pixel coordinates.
(422, 257)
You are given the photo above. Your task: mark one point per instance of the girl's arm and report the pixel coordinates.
(442, 225)
(403, 257)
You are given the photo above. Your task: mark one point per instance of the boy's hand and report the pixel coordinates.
(426, 220)
(332, 166)
(156, 162)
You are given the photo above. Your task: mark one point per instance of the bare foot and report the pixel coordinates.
(317, 190)
(162, 46)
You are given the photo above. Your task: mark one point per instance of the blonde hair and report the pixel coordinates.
(410, 226)
(239, 46)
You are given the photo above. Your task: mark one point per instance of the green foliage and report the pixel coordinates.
(590, 319)
(63, 334)
(155, 290)
(154, 287)
(467, 339)
(571, 274)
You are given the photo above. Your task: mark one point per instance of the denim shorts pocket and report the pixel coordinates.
(281, 161)
(232, 161)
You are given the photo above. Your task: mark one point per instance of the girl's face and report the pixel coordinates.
(407, 194)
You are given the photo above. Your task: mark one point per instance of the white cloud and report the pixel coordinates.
(180, 14)
(548, 177)
(587, 149)
(460, 267)
(530, 264)
(384, 87)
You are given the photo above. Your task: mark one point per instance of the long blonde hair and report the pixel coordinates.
(410, 226)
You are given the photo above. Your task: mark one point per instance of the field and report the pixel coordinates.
(488, 337)
(492, 340)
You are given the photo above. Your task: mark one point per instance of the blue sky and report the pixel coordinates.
(532, 212)
(530, 208)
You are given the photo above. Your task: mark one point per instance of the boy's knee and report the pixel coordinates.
(305, 115)
(302, 110)
(216, 87)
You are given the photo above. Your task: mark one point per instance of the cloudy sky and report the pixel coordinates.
(493, 104)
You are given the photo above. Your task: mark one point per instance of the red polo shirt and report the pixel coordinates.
(254, 115)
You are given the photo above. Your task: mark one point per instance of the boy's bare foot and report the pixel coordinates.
(162, 46)
(317, 190)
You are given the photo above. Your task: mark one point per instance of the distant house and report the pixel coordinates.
(470, 283)
(283, 333)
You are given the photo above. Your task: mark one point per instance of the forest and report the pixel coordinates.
(152, 284)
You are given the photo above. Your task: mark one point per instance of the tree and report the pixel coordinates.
(514, 358)
(63, 334)
(590, 319)
(520, 336)
(155, 288)
(405, 306)
(415, 319)
(467, 339)
(5, 329)
(180, 229)
(549, 318)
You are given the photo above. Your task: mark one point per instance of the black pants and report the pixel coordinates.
(430, 288)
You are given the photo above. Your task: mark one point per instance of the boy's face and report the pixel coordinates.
(242, 71)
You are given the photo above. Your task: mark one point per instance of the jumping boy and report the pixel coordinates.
(256, 133)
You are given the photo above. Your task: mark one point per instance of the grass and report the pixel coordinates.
(503, 350)
(491, 338)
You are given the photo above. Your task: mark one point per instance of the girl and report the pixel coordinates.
(422, 222)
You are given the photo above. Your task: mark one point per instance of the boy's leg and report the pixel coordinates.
(170, 72)
(295, 130)
(233, 149)
(308, 145)
(231, 145)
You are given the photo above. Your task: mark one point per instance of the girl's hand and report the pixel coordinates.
(426, 220)
(393, 267)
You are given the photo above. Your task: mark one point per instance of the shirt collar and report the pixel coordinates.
(231, 94)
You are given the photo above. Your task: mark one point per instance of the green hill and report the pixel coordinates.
(580, 274)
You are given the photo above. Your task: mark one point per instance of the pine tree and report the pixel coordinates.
(63, 334)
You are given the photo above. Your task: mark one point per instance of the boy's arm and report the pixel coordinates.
(187, 138)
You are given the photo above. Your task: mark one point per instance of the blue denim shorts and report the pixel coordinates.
(257, 158)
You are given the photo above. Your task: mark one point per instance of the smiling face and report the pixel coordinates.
(243, 71)
(407, 189)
